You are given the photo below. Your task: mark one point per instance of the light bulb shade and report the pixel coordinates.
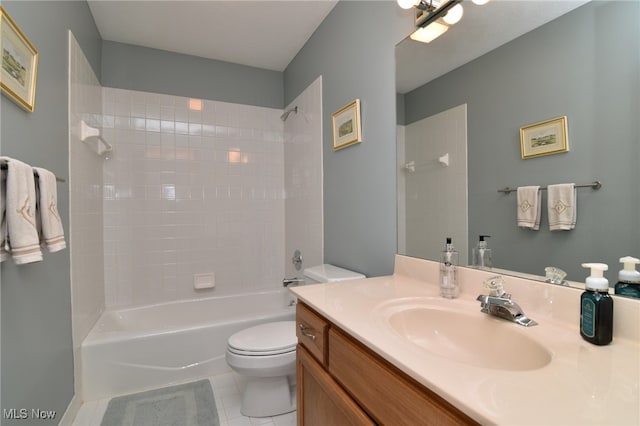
(480, 2)
(454, 15)
(407, 4)
(429, 33)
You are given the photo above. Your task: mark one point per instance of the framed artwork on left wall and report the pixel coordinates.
(19, 64)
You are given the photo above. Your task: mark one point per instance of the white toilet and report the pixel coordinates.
(266, 355)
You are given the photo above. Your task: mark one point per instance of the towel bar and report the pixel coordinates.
(59, 179)
(595, 185)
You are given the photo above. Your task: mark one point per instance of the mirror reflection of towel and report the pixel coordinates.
(562, 204)
(529, 205)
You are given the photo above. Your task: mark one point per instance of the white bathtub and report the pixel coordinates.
(130, 350)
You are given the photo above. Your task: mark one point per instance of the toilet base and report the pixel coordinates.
(269, 396)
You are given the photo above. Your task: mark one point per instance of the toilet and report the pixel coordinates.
(266, 355)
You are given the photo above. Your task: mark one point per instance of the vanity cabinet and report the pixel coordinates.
(342, 382)
(321, 402)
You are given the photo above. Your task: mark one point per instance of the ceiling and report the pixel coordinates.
(268, 34)
(260, 33)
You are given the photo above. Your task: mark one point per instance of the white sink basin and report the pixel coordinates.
(472, 338)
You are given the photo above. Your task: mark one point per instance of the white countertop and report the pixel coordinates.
(583, 384)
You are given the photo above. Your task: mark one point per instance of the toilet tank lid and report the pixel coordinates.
(328, 273)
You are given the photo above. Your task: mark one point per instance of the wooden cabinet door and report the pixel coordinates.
(388, 396)
(321, 402)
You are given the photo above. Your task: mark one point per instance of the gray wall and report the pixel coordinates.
(37, 352)
(584, 65)
(151, 70)
(353, 50)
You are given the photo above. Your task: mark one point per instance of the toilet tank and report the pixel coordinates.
(329, 273)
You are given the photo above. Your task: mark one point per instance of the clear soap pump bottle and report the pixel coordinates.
(449, 288)
(481, 256)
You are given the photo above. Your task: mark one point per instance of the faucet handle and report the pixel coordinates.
(495, 286)
(555, 275)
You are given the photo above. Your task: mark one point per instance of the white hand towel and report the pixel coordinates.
(4, 243)
(21, 219)
(562, 203)
(50, 224)
(529, 205)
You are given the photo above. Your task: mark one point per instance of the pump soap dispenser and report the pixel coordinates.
(628, 279)
(449, 288)
(481, 256)
(596, 307)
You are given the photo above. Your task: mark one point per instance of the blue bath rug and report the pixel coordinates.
(191, 404)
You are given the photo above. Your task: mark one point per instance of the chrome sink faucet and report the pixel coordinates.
(499, 303)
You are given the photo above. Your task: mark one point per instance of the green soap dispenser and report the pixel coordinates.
(628, 278)
(596, 307)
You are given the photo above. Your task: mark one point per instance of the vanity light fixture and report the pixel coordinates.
(434, 17)
(429, 33)
(454, 15)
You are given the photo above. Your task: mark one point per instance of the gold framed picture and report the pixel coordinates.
(19, 64)
(544, 138)
(346, 125)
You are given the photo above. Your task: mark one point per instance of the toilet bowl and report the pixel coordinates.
(266, 356)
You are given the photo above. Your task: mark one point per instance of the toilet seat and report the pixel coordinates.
(265, 339)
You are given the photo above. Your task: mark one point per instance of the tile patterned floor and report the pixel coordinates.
(226, 391)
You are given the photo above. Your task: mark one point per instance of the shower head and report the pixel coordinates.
(284, 116)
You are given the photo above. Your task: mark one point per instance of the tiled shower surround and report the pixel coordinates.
(85, 196)
(191, 187)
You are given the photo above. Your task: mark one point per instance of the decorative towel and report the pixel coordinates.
(529, 205)
(4, 243)
(49, 223)
(562, 202)
(23, 241)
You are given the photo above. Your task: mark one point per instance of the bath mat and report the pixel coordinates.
(191, 404)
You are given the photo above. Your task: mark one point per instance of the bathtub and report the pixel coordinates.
(134, 349)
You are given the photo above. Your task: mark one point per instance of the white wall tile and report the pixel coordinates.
(432, 185)
(85, 194)
(303, 179)
(195, 198)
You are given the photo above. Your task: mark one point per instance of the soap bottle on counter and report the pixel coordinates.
(596, 307)
(449, 288)
(628, 278)
(481, 255)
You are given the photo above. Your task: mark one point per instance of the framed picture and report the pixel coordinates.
(346, 125)
(19, 64)
(544, 138)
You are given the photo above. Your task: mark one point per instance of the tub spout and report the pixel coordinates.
(292, 281)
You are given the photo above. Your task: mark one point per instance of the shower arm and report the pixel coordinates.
(285, 115)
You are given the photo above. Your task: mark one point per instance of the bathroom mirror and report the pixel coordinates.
(583, 64)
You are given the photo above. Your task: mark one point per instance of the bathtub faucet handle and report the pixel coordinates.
(292, 281)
